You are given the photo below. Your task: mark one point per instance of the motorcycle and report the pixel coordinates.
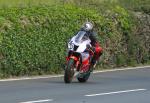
(78, 61)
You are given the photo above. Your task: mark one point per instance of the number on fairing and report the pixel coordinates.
(71, 45)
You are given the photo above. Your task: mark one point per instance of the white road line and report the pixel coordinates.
(31, 78)
(56, 76)
(123, 69)
(38, 101)
(117, 92)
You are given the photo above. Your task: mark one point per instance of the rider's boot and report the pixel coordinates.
(93, 65)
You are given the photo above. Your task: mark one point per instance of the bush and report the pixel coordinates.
(33, 39)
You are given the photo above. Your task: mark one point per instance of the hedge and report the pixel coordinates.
(33, 39)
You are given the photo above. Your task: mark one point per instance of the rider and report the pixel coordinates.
(88, 28)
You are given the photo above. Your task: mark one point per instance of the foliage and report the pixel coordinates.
(136, 5)
(33, 38)
(26, 3)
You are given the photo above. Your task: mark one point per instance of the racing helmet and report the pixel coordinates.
(88, 26)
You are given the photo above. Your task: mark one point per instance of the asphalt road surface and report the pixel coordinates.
(129, 86)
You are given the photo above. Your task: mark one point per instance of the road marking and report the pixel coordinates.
(38, 101)
(117, 92)
(56, 76)
(31, 78)
(123, 69)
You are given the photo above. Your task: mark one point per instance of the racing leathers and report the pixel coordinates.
(95, 44)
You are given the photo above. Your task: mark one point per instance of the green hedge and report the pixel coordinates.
(33, 40)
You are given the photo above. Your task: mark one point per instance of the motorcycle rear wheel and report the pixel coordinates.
(69, 71)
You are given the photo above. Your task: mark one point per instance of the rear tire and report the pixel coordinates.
(69, 71)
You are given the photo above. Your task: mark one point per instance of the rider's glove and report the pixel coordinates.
(90, 48)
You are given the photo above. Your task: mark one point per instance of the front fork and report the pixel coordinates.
(76, 63)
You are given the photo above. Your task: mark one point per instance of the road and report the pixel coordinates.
(127, 86)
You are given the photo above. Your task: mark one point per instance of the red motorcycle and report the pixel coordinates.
(78, 62)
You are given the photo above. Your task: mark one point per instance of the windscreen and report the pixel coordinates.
(81, 36)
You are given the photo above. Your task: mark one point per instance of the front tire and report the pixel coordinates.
(69, 71)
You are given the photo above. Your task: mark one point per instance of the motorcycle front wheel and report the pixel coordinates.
(69, 71)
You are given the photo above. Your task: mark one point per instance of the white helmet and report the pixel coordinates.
(87, 26)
